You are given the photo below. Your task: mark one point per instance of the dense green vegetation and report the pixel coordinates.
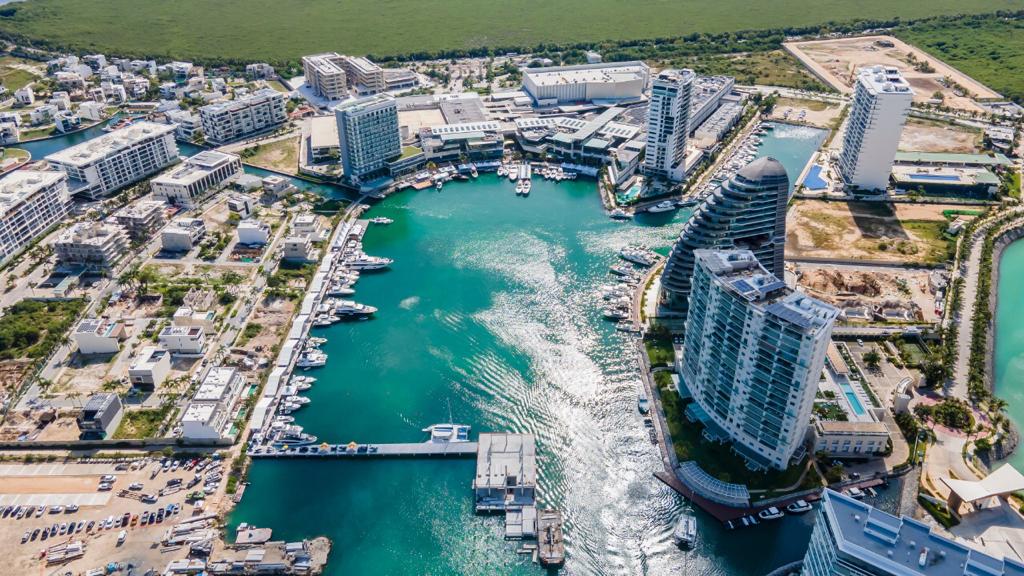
(989, 49)
(280, 31)
(32, 328)
(143, 423)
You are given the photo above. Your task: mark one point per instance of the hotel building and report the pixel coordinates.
(107, 163)
(260, 111)
(668, 121)
(333, 76)
(368, 136)
(881, 103)
(752, 356)
(184, 185)
(30, 203)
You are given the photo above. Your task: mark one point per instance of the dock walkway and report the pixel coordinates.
(407, 450)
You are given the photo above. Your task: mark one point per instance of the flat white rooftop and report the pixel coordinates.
(215, 385)
(19, 185)
(195, 168)
(111, 143)
(323, 132)
(612, 72)
(883, 80)
(258, 97)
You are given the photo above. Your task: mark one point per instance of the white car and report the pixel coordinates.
(135, 486)
(108, 478)
(105, 486)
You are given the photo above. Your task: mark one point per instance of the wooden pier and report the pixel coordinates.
(360, 451)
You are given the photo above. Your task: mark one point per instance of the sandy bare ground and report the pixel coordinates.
(47, 484)
(929, 136)
(816, 112)
(835, 62)
(872, 231)
(843, 286)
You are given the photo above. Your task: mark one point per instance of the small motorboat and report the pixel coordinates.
(771, 513)
(685, 532)
(798, 507)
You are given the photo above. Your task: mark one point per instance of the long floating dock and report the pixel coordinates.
(409, 450)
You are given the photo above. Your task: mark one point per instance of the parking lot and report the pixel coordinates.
(50, 506)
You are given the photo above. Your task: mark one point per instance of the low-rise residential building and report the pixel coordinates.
(308, 225)
(25, 96)
(99, 336)
(182, 234)
(850, 439)
(98, 245)
(247, 115)
(150, 368)
(253, 232)
(9, 133)
(398, 79)
(209, 414)
(142, 218)
(107, 163)
(183, 339)
(31, 202)
(186, 184)
(186, 316)
(42, 114)
(275, 185)
(92, 111)
(259, 71)
(241, 205)
(186, 124)
(100, 417)
(299, 249)
(323, 138)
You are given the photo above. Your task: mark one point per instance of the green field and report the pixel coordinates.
(990, 50)
(282, 30)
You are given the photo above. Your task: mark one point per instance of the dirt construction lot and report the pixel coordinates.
(836, 61)
(853, 286)
(51, 484)
(921, 135)
(908, 233)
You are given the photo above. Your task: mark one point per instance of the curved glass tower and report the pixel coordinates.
(748, 212)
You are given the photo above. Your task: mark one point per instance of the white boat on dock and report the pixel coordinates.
(685, 531)
(448, 432)
(365, 262)
(382, 220)
(349, 308)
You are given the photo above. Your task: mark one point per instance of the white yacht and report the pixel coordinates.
(288, 407)
(350, 309)
(297, 399)
(448, 432)
(855, 492)
(685, 532)
(771, 513)
(284, 419)
(521, 188)
(339, 289)
(619, 214)
(642, 404)
(637, 256)
(364, 262)
(662, 207)
(303, 386)
(293, 436)
(323, 320)
(616, 313)
(798, 507)
(383, 220)
(311, 359)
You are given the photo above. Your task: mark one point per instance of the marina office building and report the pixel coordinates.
(609, 83)
(368, 136)
(185, 184)
(881, 103)
(851, 537)
(752, 357)
(747, 212)
(107, 163)
(668, 122)
(31, 202)
(261, 111)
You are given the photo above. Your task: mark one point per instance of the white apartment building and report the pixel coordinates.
(253, 232)
(92, 111)
(241, 205)
(94, 244)
(98, 336)
(752, 356)
(150, 368)
(307, 225)
(246, 115)
(9, 133)
(183, 339)
(668, 118)
(208, 415)
(611, 82)
(142, 218)
(31, 202)
(368, 135)
(103, 165)
(334, 76)
(184, 185)
(182, 235)
(881, 103)
(186, 316)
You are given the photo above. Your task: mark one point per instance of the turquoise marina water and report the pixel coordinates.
(792, 146)
(1009, 348)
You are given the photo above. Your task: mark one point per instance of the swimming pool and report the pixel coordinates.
(813, 180)
(851, 397)
(629, 196)
(935, 177)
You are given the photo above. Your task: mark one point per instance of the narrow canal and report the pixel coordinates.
(1009, 348)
